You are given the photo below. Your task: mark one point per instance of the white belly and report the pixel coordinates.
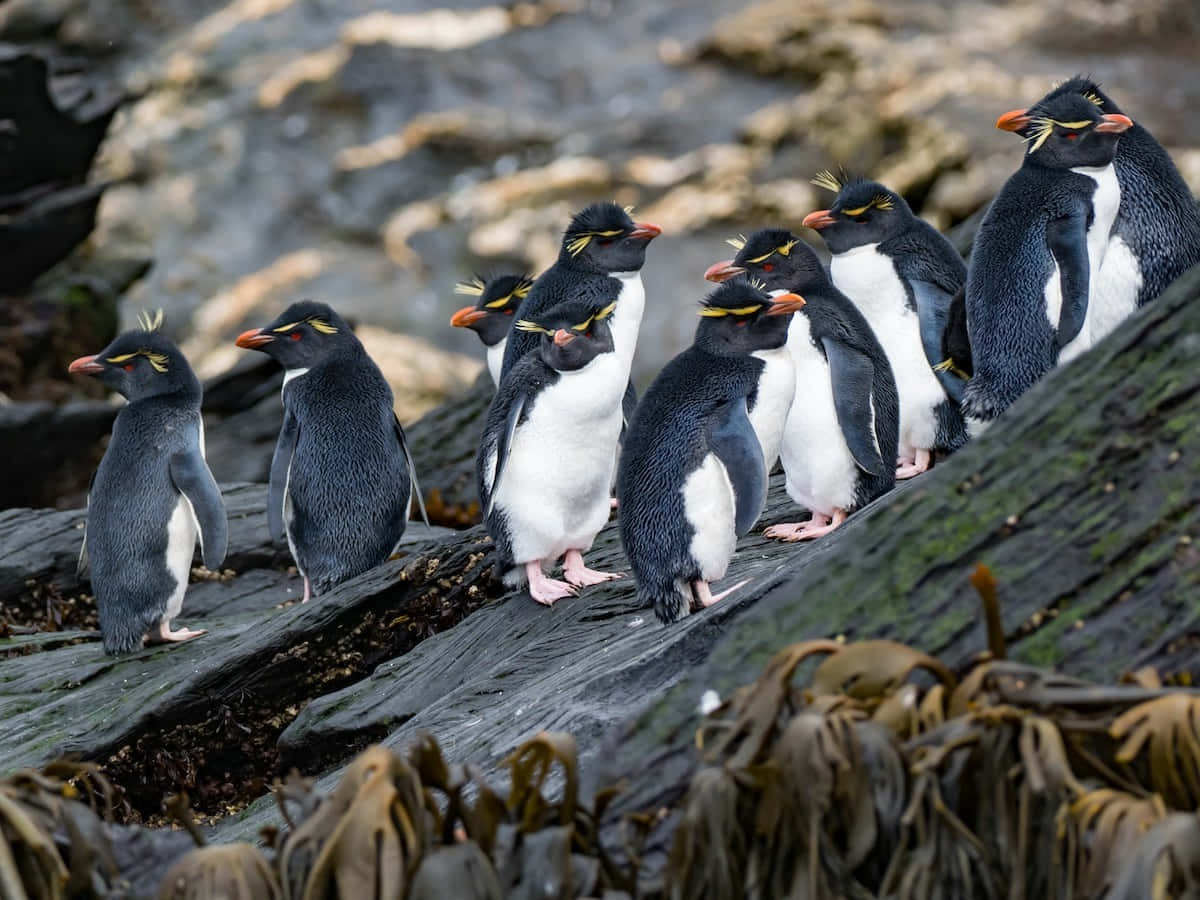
(627, 317)
(776, 388)
(181, 545)
(1105, 202)
(709, 505)
(495, 359)
(821, 473)
(869, 278)
(554, 490)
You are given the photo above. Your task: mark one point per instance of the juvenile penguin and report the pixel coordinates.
(601, 257)
(1156, 236)
(341, 476)
(901, 273)
(692, 477)
(152, 495)
(1038, 250)
(493, 313)
(548, 449)
(840, 436)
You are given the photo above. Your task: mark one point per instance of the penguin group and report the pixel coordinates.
(851, 377)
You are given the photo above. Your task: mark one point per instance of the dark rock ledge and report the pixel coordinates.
(1083, 501)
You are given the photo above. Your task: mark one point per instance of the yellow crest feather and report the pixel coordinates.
(826, 179)
(737, 243)
(526, 325)
(575, 247)
(148, 321)
(473, 287)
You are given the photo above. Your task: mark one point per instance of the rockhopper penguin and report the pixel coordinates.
(840, 436)
(601, 258)
(1156, 237)
(692, 478)
(546, 456)
(152, 495)
(493, 313)
(341, 477)
(1038, 251)
(901, 273)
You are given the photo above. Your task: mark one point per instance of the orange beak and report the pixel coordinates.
(1013, 120)
(467, 316)
(645, 231)
(784, 304)
(818, 219)
(85, 365)
(722, 271)
(1114, 123)
(562, 338)
(253, 339)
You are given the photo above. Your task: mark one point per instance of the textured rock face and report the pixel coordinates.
(1082, 499)
(371, 154)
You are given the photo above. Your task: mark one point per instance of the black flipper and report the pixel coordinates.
(504, 445)
(192, 478)
(412, 471)
(277, 483)
(1067, 239)
(733, 440)
(852, 375)
(933, 314)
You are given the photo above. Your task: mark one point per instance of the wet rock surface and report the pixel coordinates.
(1093, 554)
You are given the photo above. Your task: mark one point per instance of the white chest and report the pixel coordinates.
(869, 278)
(627, 317)
(1105, 202)
(776, 390)
(709, 505)
(820, 471)
(495, 359)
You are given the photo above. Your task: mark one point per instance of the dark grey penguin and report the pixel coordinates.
(840, 437)
(956, 342)
(548, 449)
(152, 494)
(1038, 251)
(493, 313)
(692, 478)
(341, 478)
(1156, 237)
(602, 254)
(901, 273)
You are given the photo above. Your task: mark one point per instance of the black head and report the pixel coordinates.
(741, 317)
(1067, 129)
(603, 238)
(140, 364)
(1018, 119)
(863, 212)
(492, 313)
(573, 333)
(776, 258)
(303, 335)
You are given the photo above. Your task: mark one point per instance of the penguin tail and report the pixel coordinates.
(126, 635)
(512, 576)
(671, 602)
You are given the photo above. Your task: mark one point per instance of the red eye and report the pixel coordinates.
(509, 311)
(1072, 136)
(296, 335)
(768, 267)
(589, 333)
(128, 367)
(741, 323)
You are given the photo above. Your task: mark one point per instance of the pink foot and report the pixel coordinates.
(165, 635)
(907, 468)
(706, 597)
(815, 527)
(545, 590)
(612, 503)
(579, 575)
(307, 591)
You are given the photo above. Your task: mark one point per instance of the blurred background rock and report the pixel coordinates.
(370, 153)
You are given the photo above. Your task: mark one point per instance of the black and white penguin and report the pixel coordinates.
(341, 477)
(901, 273)
(152, 495)
(548, 449)
(692, 477)
(840, 437)
(1156, 236)
(601, 257)
(493, 313)
(1038, 251)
